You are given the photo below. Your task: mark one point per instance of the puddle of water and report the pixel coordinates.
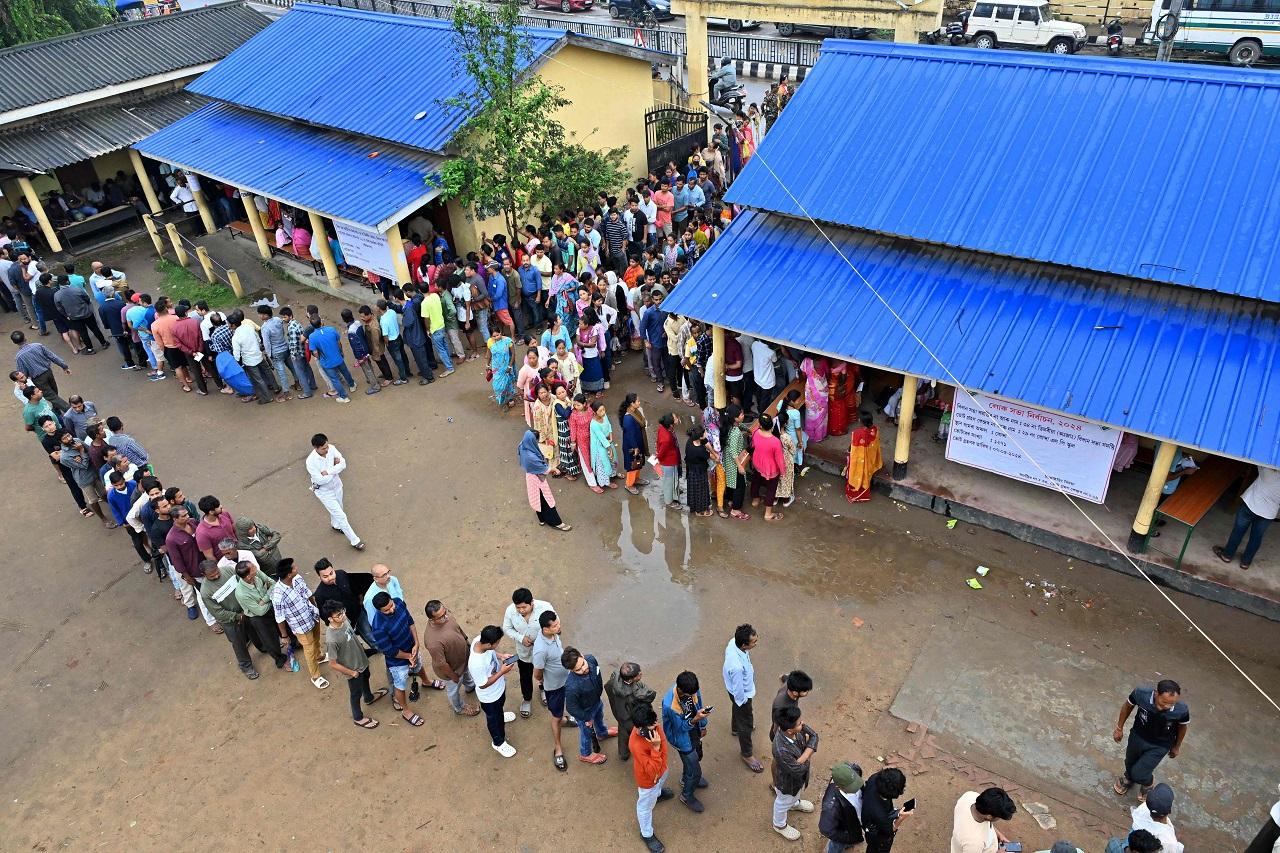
(650, 597)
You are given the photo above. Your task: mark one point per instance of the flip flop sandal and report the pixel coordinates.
(437, 684)
(723, 514)
(86, 513)
(777, 516)
(1122, 786)
(378, 694)
(559, 762)
(415, 720)
(741, 516)
(396, 705)
(366, 723)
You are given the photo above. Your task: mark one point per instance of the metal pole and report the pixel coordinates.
(1165, 51)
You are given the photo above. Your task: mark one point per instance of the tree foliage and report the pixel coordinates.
(514, 157)
(23, 21)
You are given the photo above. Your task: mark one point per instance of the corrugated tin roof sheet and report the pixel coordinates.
(1051, 158)
(106, 56)
(377, 75)
(72, 137)
(1202, 369)
(339, 175)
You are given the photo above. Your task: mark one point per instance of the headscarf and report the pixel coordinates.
(531, 458)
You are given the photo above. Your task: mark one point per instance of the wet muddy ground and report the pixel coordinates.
(126, 726)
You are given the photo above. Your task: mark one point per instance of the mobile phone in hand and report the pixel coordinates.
(1013, 847)
(909, 805)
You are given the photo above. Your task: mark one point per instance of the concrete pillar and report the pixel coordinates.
(321, 248)
(904, 32)
(206, 263)
(155, 234)
(1151, 496)
(234, 278)
(398, 261)
(202, 205)
(255, 223)
(695, 47)
(42, 218)
(148, 191)
(720, 397)
(906, 413)
(176, 239)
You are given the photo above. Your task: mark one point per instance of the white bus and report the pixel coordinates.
(1245, 30)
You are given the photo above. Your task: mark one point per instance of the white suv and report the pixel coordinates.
(1032, 24)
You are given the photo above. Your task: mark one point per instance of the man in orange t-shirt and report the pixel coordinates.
(649, 764)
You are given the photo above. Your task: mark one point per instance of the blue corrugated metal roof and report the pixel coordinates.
(342, 176)
(1202, 369)
(1051, 158)
(365, 72)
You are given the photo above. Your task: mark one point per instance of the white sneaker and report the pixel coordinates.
(788, 832)
(510, 717)
(506, 750)
(802, 806)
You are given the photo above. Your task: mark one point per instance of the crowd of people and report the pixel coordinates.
(568, 300)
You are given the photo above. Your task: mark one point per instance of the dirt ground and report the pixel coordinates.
(128, 727)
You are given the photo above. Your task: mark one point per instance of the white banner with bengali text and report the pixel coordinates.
(365, 249)
(1076, 456)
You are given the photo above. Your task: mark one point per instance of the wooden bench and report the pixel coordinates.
(101, 221)
(796, 385)
(304, 256)
(241, 228)
(1196, 495)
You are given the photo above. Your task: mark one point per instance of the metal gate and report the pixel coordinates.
(671, 132)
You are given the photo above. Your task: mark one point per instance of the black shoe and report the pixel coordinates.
(251, 674)
(693, 803)
(654, 845)
(666, 794)
(703, 783)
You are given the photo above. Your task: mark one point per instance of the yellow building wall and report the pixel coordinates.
(593, 121)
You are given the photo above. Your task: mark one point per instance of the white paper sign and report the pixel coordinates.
(365, 249)
(1076, 456)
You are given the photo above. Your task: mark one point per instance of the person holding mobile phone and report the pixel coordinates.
(649, 749)
(973, 828)
(684, 722)
(880, 820)
(489, 672)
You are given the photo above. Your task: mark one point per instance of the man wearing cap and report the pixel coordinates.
(1158, 730)
(839, 822)
(1153, 816)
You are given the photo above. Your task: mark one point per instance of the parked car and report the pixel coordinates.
(562, 5)
(789, 30)
(734, 24)
(661, 9)
(1029, 24)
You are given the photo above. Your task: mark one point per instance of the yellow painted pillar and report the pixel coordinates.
(206, 263)
(202, 205)
(155, 234)
(320, 246)
(720, 397)
(176, 239)
(906, 413)
(255, 223)
(904, 31)
(695, 47)
(1151, 496)
(148, 191)
(398, 261)
(234, 278)
(42, 218)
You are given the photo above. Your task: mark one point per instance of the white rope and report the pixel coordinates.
(961, 387)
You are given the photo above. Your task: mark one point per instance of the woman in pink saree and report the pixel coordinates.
(815, 397)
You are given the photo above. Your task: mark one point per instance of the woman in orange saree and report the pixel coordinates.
(864, 460)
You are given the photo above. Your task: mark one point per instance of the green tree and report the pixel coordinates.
(515, 158)
(23, 21)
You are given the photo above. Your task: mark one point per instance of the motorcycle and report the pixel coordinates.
(952, 33)
(1115, 40)
(731, 97)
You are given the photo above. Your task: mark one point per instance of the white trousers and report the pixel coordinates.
(587, 473)
(331, 497)
(190, 596)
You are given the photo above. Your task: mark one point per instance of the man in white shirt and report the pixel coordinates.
(520, 623)
(182, 195)
(764, 372)
(247, 349)
(740, 681)
(1153, 816)
(973, 828)
(324, 465)
(1260, 506)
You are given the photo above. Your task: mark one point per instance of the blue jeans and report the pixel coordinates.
(532, 309)
(1256, 526)
(422, 358)
(40, 321)
(396, 350)
(442, 348)
(306, 379)
(482, 322)
(283, 366)
(837, 847)
(690, 773)
(340, 376)
(584, 733)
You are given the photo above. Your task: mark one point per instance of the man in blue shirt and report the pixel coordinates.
(684, 721)
(415, 337)
(583, 692)
(680, 215)
(397, 638)
(497, 286)
(530, 284)
(655, 336)
(327, 346)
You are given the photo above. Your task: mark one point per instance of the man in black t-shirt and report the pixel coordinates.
(1158, 730)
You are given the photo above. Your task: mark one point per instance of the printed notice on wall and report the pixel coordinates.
(365, 249)
(1072, 455)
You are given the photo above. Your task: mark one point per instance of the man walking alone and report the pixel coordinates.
(325, 464)
(740, 681)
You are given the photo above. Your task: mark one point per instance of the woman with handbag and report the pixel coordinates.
(635, 445)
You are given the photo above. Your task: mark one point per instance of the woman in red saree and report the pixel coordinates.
(864, 460)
